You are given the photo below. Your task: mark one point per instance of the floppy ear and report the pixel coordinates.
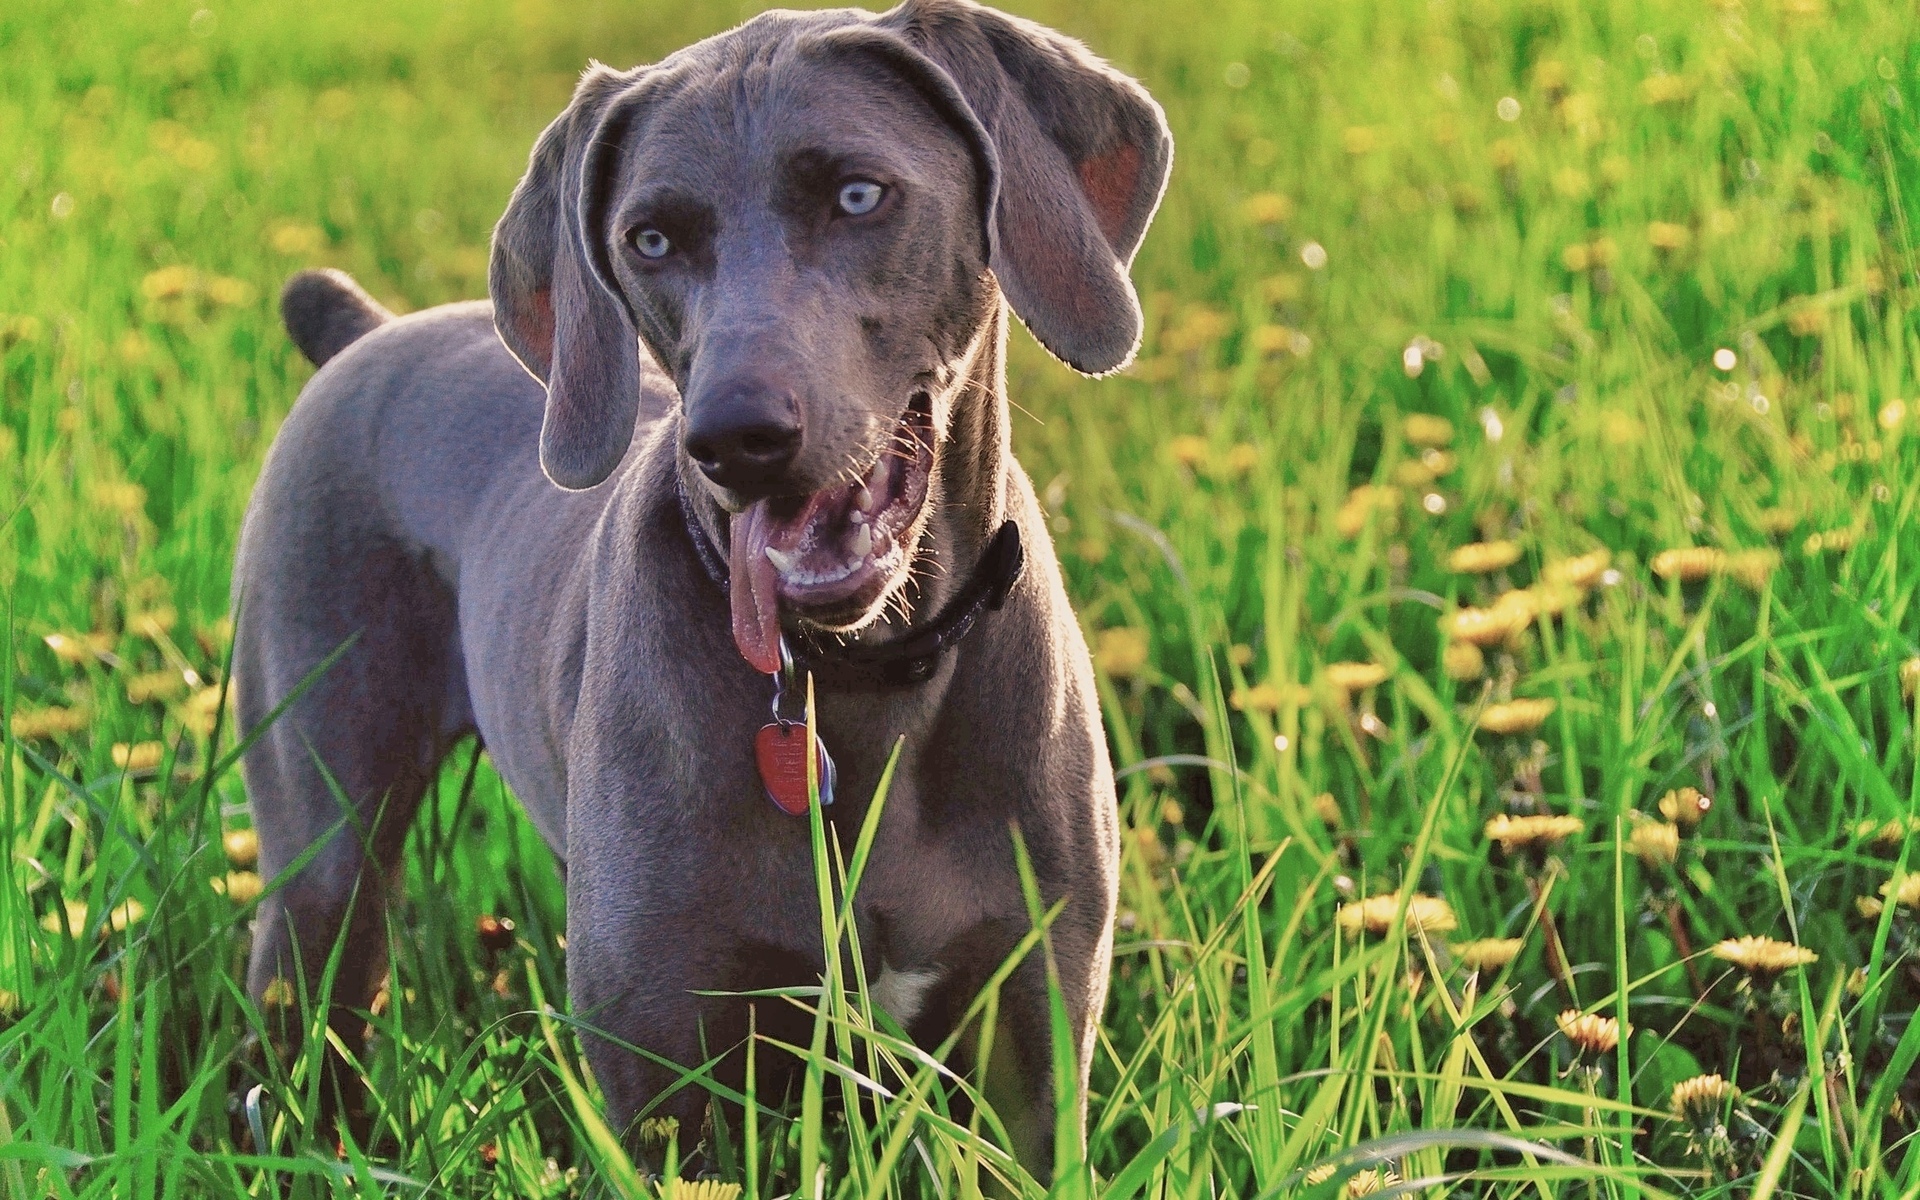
(555, 303)
(1079, 154)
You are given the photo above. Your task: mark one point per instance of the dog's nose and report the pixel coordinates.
(744, 438)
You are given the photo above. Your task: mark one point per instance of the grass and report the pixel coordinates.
(1652, 267)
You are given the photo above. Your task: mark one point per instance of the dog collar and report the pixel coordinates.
(911, 658)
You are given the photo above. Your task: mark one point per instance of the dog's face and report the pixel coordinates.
(810, 221)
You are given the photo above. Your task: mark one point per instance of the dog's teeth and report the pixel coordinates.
(862, 542)
(857, 517)
(782, 563)
(863, 499)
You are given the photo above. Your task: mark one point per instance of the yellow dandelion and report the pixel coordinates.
(1888, 834)
(1413, 474)
(296, 239)
(1590, 1033)
(1240, 654)
(139, 756)
(1655, 843)
(1665, 235)
(1481, 558)
(201, 709)
(1355, 676)
(1424, 429)
(119, 918)
(230, 292)
(278, 994)
(78, 649)
(1763, 956)
(702, 1189)
(1362, 503)
(1689, 564)
(1327, 809)
(1463, 662)
(1575, 257)
(1487, 954)
(43, 724)
(1269, 697)
(1580, 571)
(1701, 1098)
(1869, 907)
(1905, 891)
(1528, 832)
(241, 846)
(156, 686)
(1753, 567)
(170, 283)
(1665, 89)
(1319, 1174)
(241, 887)
(75, 914)
(1485, 626)
(1189, 450)
(126, 499)
(1430, 914)
(1171, 813)
(1777, 521)
(1369, 1181)
(1552, 599)
(1685, 806)
(1241, 458)
(1909, 677)
(1266, 208)
(154, 622)
(1833, 541)
(1516, 716)
(1120, 652)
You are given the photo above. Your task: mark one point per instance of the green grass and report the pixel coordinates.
(162, 171)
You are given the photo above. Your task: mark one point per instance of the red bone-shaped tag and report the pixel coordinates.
(780, 750)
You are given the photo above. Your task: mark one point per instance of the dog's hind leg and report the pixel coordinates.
(335, 779)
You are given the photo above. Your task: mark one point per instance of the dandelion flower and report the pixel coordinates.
(78, 649)
(1424, 429)
(1777, 521)
(156, 685)
(153, 623)
(1763, 957)
(1689, 565)
(1327, 809)
(1355, 676)
(1267, 208)
(1369, 1181)
(1590, 1033)
(1869, 907)
(140, 756)
(1909, 677)
(1463, 662)
(46, 723)
(1580, 571)
(1515, 716)
(1120, 652)
(1525, 833)
(1685, 806)
(118, 919)
(1189, 450)
(702, 1189)
(1430, 914)
(1361, 503)
(1753, 567)
(1242, 458)
(1487, 954)
(1485, 626)
(1905, 890)
(1700, 1098)
(1665, 235)
(242, 847)
(1481, 558)
(241, 887)
(1655, 843)
(1551, 599)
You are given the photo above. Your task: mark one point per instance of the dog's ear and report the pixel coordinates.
(555, 302)
(1077, 155)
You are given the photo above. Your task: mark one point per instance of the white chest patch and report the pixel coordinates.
(902, 993)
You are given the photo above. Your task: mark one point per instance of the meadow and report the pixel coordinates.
(1500, 566)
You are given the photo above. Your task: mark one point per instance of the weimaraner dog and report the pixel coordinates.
(736, 412)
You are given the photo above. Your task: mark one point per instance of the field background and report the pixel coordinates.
(1652, 265)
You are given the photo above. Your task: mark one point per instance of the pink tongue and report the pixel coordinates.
(756, 606)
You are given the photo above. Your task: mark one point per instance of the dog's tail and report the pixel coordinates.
(326, 311)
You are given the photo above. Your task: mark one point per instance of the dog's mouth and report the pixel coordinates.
(830, 556)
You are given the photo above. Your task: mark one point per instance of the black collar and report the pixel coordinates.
(910, 658)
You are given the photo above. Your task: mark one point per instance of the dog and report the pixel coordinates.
(735, 414)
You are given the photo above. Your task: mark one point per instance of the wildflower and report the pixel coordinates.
(230, 292)
(156, 685)
(1869, 907)
(1689, 564)
(1665, 89)
(127, 499)
(1685, 806)
(1189, 450)
(1242, 458)
(1552, 599)
(1763, 957)
(1904, 891)
(1369, 1181)
(1909, 677)
(170, 283)
(1581, 571)
(1171, 813)
(1424, 429)
(1120, 652)
(1269, 697)
(242, 847)
(1701, 1098)
(241, 887)
(140, 756)
(1355, 676)
(1753, 567)
(1360, 139)
(76, 649)
(118, 919)
(1655, 843)
(278, 994)
(1777, 521)
(1516, 716)
(1530, 832)
(1664, 235)
(200, 710)
(1327, 809)
(1463, 662)
(1429, 914)
(1485, 626)
(1487, 954)
(1887, 833)
(1481, 558)
(1362, 503)
(1833, 541)
(296, 239)
(1590, 1033)
(47, 723)
(702, 1189)
(1240, 654)
(1267, 208)
(153, 623)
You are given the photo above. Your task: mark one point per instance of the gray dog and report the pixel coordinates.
(814, 225)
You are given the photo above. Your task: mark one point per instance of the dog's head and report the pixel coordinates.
(810, 221)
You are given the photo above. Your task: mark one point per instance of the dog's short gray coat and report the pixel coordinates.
(409, 511)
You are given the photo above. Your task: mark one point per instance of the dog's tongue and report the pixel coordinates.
(756, 605)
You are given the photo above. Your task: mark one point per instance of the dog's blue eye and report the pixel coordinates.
(860, 197)
(651, 243)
